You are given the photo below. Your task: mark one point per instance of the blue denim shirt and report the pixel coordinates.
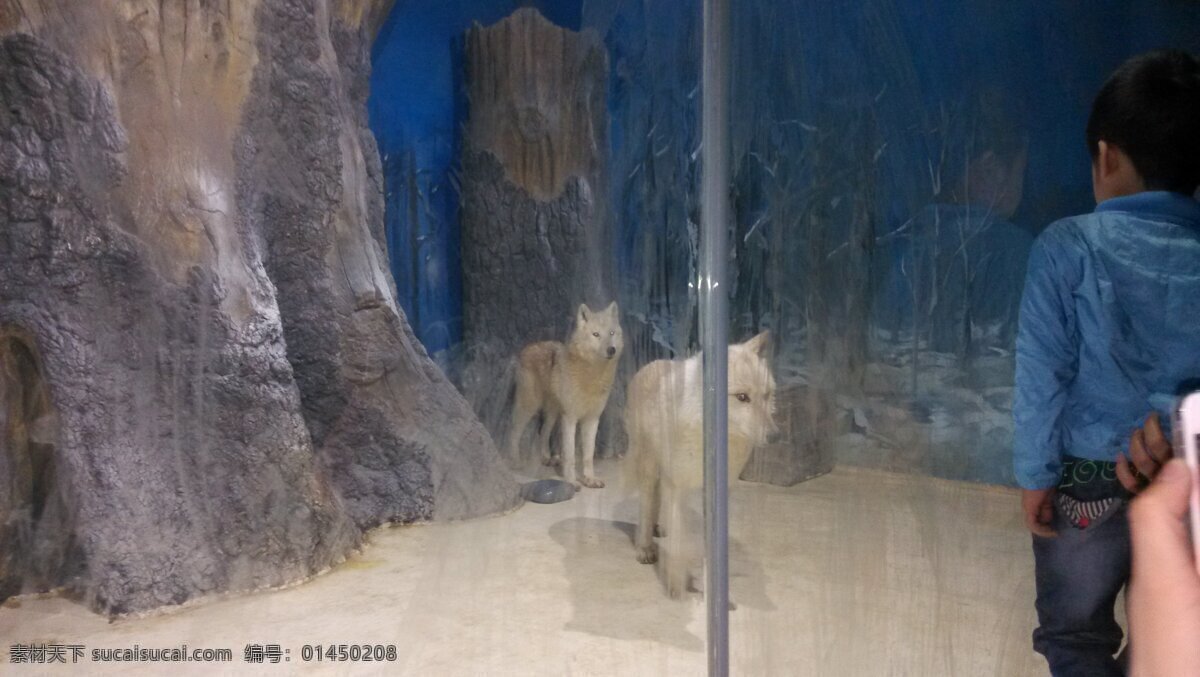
(1109, 328)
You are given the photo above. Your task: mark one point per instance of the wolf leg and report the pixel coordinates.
(568, 425)
(588, 430)
(548, 422)
(526, 403)
(672, 557)
(647, 550)
(525, 407)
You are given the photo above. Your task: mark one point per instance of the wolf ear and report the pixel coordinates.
(582, 315)
(759, 345)
(611, 309)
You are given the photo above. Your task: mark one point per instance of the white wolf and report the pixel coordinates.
(664, 419)
(569, 383)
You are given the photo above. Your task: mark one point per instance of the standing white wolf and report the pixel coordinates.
(569, 383)
(664, 416)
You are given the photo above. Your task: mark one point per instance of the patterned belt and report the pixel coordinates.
(1082, 514)
(1089, 491)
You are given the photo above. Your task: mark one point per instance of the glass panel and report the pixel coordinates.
(559, 183)
(893, 163)
(269, 395)
(276, 275)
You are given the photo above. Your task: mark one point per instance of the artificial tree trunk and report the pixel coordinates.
(207, 384)
(536, 241)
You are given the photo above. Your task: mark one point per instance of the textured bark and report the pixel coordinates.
(536, 241)
(537, 95)
(207, 385)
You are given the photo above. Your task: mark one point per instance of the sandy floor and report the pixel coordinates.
(855, 573)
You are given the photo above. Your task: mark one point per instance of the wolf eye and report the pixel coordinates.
(596, 334)
(742, 397)
(612, 333)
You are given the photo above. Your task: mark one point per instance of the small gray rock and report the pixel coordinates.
(547, 491)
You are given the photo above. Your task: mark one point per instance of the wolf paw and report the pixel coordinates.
(648, 554)
(675, 590)
(592, 482)
(696, 584)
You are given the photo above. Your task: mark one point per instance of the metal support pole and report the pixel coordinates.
(714, 325)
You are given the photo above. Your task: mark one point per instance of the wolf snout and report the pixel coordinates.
(612, 351)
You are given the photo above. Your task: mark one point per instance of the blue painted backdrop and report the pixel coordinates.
(844, 113)
(416, 111)
(915, 55)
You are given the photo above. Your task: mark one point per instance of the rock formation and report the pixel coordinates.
(206, 384)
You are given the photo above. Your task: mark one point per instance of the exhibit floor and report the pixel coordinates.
(859, 572)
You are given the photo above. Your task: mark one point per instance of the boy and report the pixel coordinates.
(1109, 326)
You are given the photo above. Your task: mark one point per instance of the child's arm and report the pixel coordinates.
(1047, 360)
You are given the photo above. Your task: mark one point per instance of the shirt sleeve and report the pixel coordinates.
(1047, 360)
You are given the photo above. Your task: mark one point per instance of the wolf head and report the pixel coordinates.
(751, 391)
(598, 335)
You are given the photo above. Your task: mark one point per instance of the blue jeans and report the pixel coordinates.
(1079, 574)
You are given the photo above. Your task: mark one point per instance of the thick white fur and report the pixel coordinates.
(665, 421)
(570, 384)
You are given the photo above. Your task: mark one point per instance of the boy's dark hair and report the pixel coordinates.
(1150, 109)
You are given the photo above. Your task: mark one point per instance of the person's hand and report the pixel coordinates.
(1164, 590)
(1148, 450)
(1038, 507)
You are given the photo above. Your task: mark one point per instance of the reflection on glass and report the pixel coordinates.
(259, 401)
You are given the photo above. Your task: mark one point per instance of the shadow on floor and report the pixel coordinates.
(614, 596)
